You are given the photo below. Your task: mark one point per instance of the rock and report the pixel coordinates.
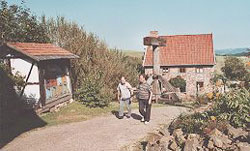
(154, 148)
(177, 133)
(235, 132)
(217, 142)
(189, 146)
(179, 137)
(173, 146)
(192, 143)
(243, 146)
(164, 142)
(216, 132)
(154, 139)
(210, 144)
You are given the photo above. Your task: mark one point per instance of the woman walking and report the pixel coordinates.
(144, 95)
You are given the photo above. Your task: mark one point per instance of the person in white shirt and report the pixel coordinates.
(124, 97)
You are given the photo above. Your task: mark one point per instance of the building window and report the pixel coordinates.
(183, 89)
(182, 70)
(165, 70)
(199, 70)
(200, 84)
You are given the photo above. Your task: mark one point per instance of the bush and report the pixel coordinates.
(94, 94)
(178, 82)
(232, 107)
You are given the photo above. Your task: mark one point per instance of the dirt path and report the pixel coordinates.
(99, 134)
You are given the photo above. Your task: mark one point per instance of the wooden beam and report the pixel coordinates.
(26, 81)
(41, 84)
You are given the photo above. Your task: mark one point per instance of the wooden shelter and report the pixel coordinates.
(46, 69)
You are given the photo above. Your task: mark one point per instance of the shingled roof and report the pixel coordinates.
(184, 50)
(40, 51)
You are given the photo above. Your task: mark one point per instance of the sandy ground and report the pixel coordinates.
(105, 133)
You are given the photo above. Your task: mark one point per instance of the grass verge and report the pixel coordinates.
(76, 112)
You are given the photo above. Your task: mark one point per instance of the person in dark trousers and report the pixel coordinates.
(144, 96)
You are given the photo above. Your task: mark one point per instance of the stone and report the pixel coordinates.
(243, 146)
(179, 137)
(217, 141)
(192, 143)
(235, 132)
(154, 139)
(189, 146)
(177, 133)
(210, 144)
(173, 146)
(216, 132)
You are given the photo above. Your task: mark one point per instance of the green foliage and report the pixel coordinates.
(234, 69)
(13, 79)
(93, 93)
(232, 107)
(98, 67)
(17, 24)
(178, 82)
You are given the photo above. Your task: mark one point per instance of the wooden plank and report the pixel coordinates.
(54, 102)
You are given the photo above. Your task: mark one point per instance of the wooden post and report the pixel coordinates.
(155, 41)
(41, 83)
(156, 71)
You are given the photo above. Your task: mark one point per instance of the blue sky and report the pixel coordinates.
(123, 23)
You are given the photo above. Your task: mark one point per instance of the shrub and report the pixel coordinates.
(93, 93)
(178, 82)
(232, 107)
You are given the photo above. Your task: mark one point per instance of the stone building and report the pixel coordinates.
(190, 56)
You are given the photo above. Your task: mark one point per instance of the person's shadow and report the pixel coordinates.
(133, 115)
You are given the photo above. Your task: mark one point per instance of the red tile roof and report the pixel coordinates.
(184, 50)
(41, 51)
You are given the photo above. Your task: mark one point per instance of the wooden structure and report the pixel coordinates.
(46, 69)
(155, 42)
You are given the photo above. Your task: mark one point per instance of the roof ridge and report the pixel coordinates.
(186, 35)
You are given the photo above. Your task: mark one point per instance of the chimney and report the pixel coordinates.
(153, 34)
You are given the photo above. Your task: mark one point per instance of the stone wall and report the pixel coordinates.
(191, 77)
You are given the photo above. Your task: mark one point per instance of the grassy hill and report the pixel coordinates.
(133, 53)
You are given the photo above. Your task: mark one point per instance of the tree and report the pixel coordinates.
(17, 24)
(234, 69)
(98, 70)
(178, 82)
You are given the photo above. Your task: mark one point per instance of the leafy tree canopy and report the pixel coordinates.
(17, 24)
(234, 69)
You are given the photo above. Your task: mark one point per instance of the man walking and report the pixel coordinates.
(144, 96)
(124, 97)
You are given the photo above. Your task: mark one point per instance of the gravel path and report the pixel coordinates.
(105, 133)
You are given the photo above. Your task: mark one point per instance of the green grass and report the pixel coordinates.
(133, 53)
(76, 112)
